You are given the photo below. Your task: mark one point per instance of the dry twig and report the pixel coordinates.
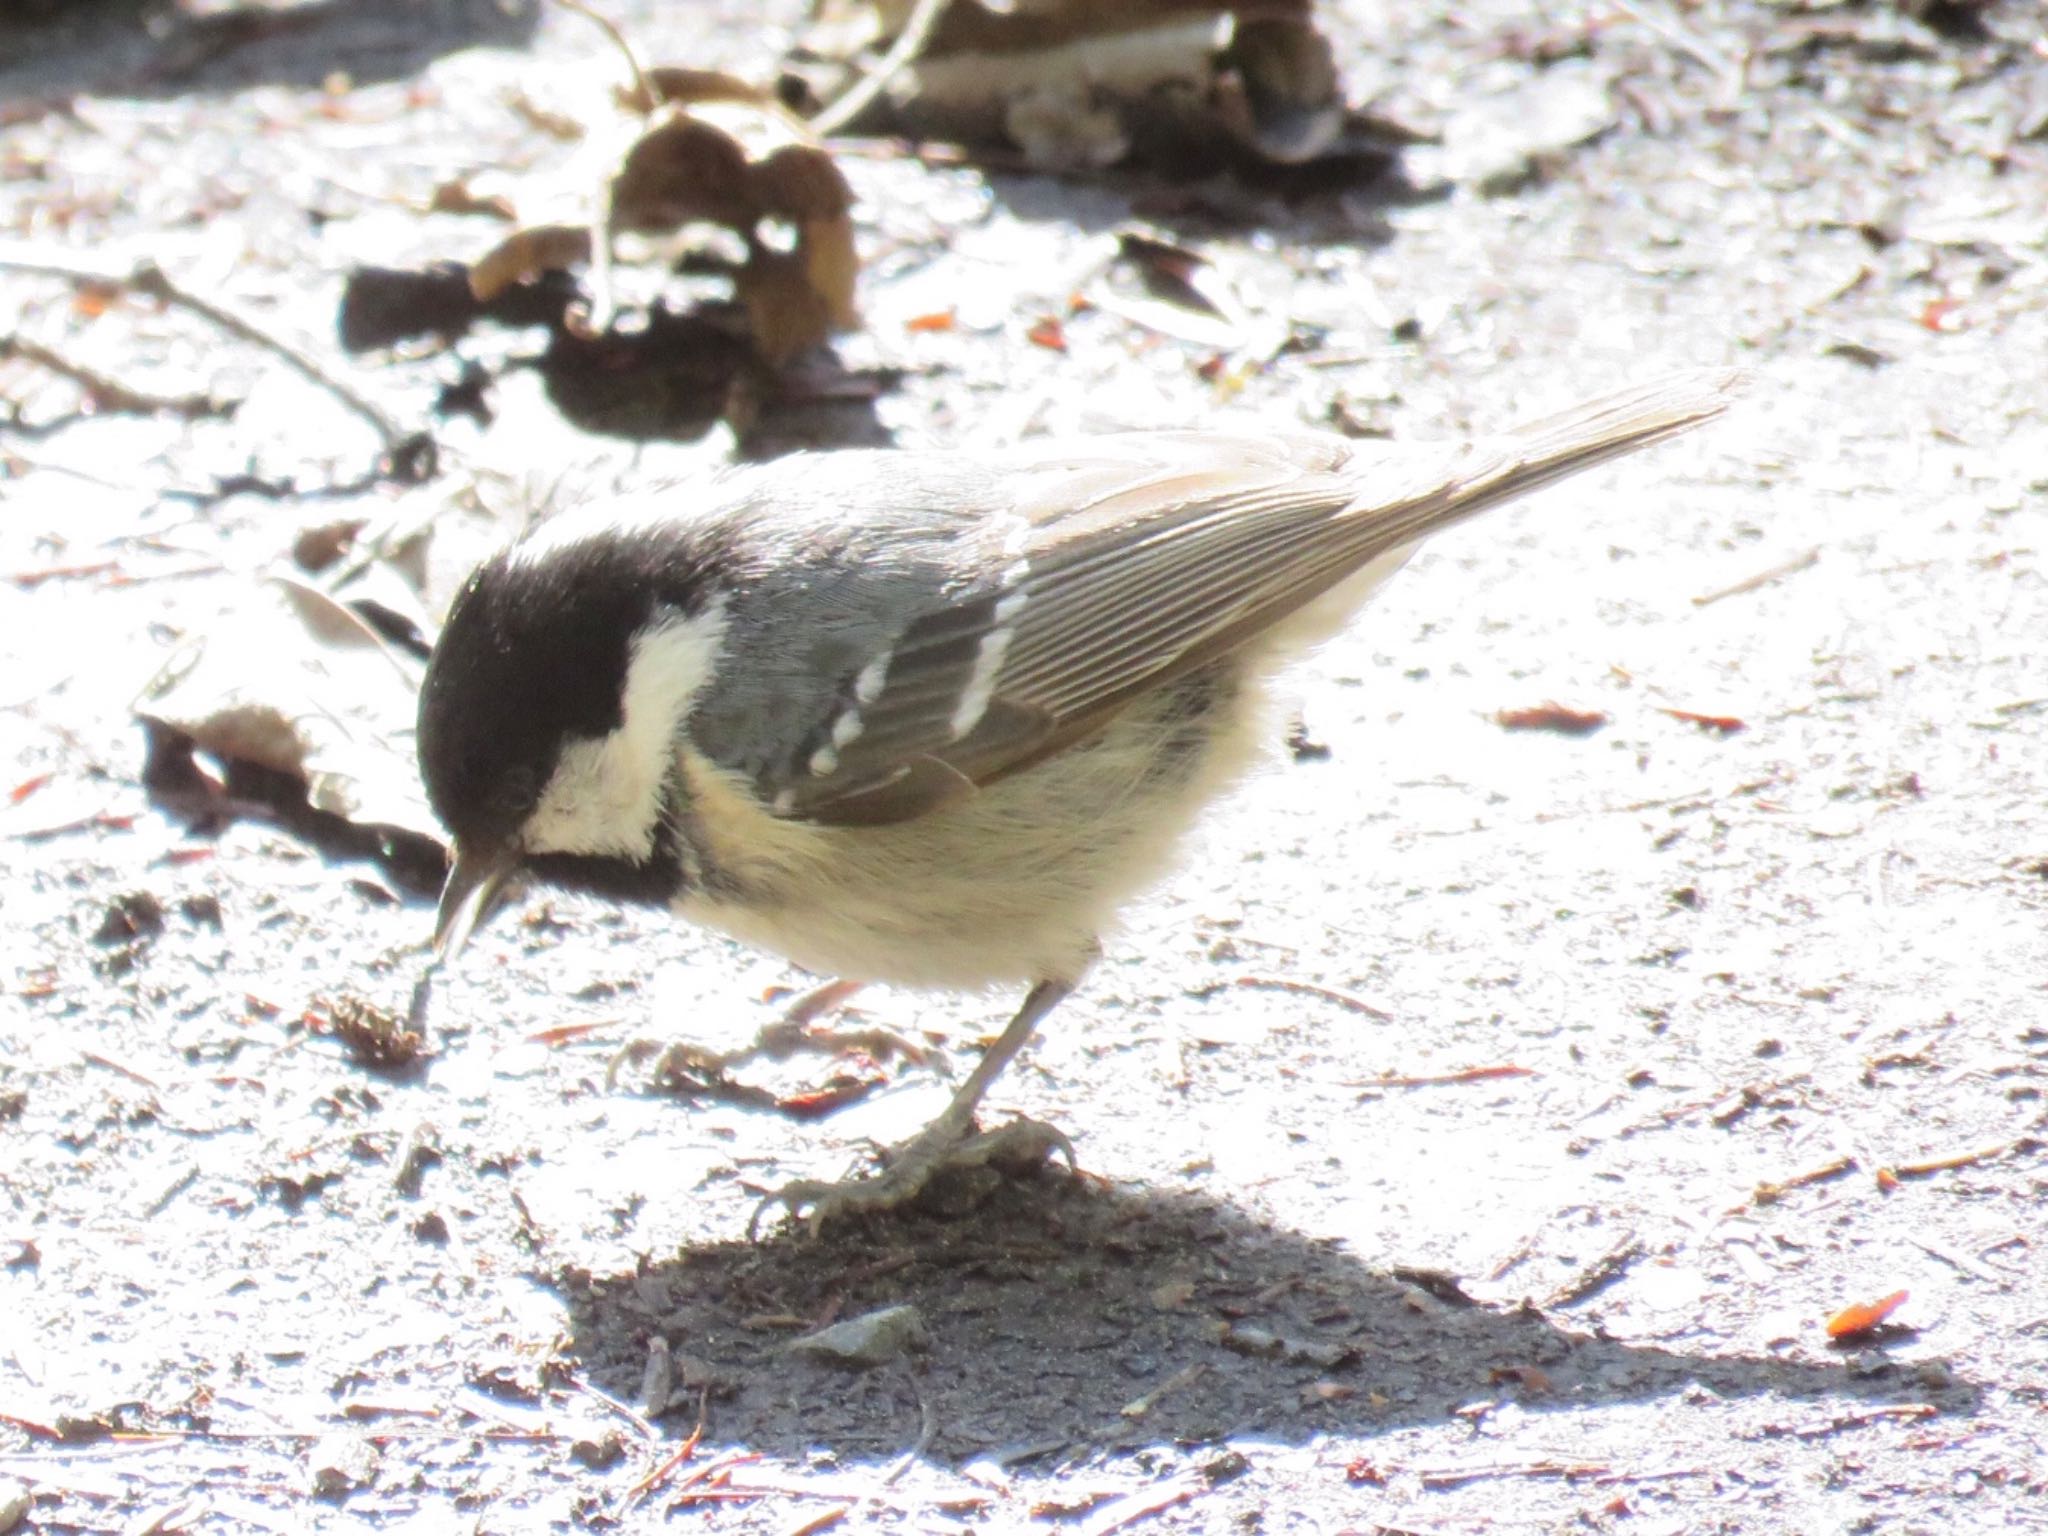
(1762, 579)
(408, 457)
(1309, 989)
(1442, 1079)
(1453, 1477)
(1820, 1429)
(110, 394)
(1602, 1272)
(1128, 1511)
(857, 97)
(1947, 1163)
(1768, 1193)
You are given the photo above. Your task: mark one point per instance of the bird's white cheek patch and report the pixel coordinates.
(605, 796)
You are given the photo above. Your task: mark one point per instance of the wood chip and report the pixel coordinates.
(1925, 1166)
(1761, 579)
(1309, 989)
(1551, 716)
(1603, 1272)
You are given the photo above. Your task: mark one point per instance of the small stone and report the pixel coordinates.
(432, 1228)
(598, 1452)
(130, 918)
(339, 1464)
(658, 1380)
(872, 1339)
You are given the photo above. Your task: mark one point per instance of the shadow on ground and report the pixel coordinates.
(1052, 1312)
(133, 48)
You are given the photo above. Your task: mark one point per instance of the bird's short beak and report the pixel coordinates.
(475, 883)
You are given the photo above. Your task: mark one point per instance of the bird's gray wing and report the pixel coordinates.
(1104, 569)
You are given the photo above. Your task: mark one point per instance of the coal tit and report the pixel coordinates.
(928, 718)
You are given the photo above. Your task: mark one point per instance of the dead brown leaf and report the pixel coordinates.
(688, 147)
(524, 255)
(1551, 716)
(1048, 333)
(1727, 725)
(458, 196)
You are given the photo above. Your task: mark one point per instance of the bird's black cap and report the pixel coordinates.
(534, 656)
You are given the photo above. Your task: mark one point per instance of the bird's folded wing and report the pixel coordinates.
(1128, 561)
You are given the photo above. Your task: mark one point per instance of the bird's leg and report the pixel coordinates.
(950, 1141)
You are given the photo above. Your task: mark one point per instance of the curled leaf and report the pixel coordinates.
(524, 255)
(704, 148)
(1862, 1316)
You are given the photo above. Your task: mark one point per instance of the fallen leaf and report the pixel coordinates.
(1936, 316)
(698, 147)
(1727, 725)
(27, 787)
(1048, 333)
(723, 152)
(816, 1103)
(293, 703)
(1551, 716)
(1173, 1295)
(457, 196)
(1862, 1316)
(91, 300)
(1174, 290)
(524, 255)
(375, 1037)
(562, 1034)
(556, 125)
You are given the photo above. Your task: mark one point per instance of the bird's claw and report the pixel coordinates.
(1020, 1146)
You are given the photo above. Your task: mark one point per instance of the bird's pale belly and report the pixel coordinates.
(1011, 884)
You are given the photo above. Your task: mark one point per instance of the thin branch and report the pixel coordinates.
(643, 93)
(1597, 1276)
(407, 456)
(1820, 1429)
(1762, 579)
(1456, 1477)
(1921, 1167)
(927, 1427)
(1309, 989)
(1442, 1079)
(110, 394)
(857, 98)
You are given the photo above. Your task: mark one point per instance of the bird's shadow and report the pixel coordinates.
(1079, 1320)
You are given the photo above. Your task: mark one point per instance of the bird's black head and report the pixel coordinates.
(533, 656)
(547, 719)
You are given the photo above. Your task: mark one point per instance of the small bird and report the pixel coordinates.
(928, 718)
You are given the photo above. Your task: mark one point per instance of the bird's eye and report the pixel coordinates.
(518, 788)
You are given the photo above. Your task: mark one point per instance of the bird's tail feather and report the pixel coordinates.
(1577, 439)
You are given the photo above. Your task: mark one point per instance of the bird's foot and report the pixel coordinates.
(934, 1166)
